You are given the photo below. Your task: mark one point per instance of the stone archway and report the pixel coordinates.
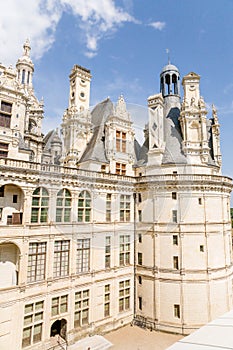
(11, 204)
(59, 327)
(9, 264)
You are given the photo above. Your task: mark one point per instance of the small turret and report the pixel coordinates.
(170, 80)
(25, 66)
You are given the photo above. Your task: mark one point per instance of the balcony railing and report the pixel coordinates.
(58, 169)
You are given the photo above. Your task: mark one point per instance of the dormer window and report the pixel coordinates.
(120, 141)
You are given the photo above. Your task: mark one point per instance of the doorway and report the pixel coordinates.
(59, 327)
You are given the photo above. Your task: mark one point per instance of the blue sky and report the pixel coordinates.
(124, 45)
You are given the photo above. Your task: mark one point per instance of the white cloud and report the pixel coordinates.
(38, 19)
(157, 25)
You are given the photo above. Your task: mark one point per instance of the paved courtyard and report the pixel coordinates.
(136, 338)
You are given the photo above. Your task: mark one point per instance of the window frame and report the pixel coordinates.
(84, 206)
(61, 259)
(40, 206)
(83, 255)
(36, 269)
(63, 206)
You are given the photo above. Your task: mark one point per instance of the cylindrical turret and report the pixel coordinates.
(25, 66)
(170, 81)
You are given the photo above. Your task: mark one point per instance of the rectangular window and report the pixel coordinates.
(120, 141)
(124, 295)
(139, 215)
(201, 248)
(139, 258)
(59, 305)
(174, 215)
(6, 107)
(15, 198)
(61, 258)
(83, 255)
(140, 303)
(175, 262)
(107, 300)
(140, 238)
(140, 279)
(81, 313)
(139, 197)
(120, 169)
(3, 150)
(108, 252)
(103, 168)
(36, 262)
(5, 114)
(177, 311)
(124, 255)
(33, 323)
(125, 207)
(174, 195)
(108, 206)
(200, 201)
(2, 191)
(175, 239)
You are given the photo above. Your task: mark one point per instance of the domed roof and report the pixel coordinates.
(26, 54)
(169, 67)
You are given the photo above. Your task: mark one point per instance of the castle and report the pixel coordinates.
(97, 231)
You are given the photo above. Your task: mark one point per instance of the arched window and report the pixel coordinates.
(40, 205)
(23, 76)
(84, 207)
(174, 82)
(167, 81)
(63, 208)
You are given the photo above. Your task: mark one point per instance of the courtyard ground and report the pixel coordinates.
(136, 338)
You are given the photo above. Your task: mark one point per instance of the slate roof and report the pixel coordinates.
(172, 132)
(95, 149)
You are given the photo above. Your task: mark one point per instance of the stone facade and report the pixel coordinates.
(98, 231)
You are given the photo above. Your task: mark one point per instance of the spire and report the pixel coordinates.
(168, 56)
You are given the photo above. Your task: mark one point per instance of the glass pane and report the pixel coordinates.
(55, 301)
(59, 202)
(28, 308)
(67, 215)
(59, 215)
(44, 201)
(77, 295)
(127, 303)
(37, 333)
(39, 316)
(35, 201)
(54, 310)
(60, 193)
(27, 319)
(85, 293)
(37, 191)
(68, 202)
(43, 214)
(44, 192)
(67, 193)
(27, 333)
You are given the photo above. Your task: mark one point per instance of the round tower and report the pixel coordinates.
(170, 80)
(25, 67)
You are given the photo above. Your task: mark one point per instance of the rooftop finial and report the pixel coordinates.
(27, 48)
(168, 55)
